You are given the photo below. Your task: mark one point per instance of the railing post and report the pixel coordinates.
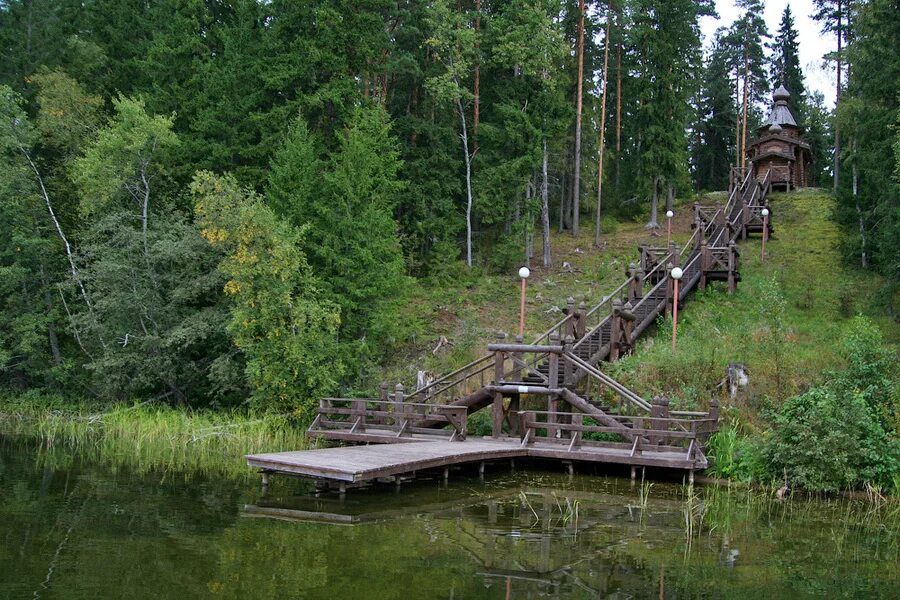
(615, 330)
(636, 285)
(704, 263)
(568, 367)
(553, 363)
(670, 291)
(359, 414)
(497, 406)
(720, 214)
(628, 325)
(399, 408)
(732, 267)
(580, 320)
(659, 413)
(714, 414)
(570, 322)
(553, 376)
(674, 254)
(577, 419)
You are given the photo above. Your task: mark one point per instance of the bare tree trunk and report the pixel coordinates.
(653, 224)
(468, 159)
(576, 182)
(618, 110)
(70, 255)
(862, 223)
(670, 196)
(52, 337)
(744, 110)
(737, 118)
(477, 86)
(837, 99)
(602, 127)
(562, 199)
(545, 208)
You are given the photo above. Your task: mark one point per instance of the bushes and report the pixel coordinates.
(843, 433)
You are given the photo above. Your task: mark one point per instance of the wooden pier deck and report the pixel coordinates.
(357, 464)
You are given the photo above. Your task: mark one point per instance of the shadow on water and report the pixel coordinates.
(78, 529)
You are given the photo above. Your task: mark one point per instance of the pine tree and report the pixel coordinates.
(717, 115)
(833, 15)
(749, 31)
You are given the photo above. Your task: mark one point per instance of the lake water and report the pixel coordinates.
(71, 528)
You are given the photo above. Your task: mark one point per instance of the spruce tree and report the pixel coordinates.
(785, 65)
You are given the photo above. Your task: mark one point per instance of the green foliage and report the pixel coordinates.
(347, 203)
(121, 163)
(279, 321)
(829, 442)
(843, 433)
(157, 321)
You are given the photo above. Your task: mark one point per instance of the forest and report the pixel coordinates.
(223, 203)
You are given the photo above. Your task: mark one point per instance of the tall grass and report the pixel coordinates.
(154, 438)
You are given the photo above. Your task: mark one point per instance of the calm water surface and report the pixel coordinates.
(72, 528)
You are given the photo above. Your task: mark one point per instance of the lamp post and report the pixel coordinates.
(676, 274)
(524, 272)
(669, 215)
(765, 216)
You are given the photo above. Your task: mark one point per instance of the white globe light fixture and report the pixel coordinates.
(524, 272)
(669, 215)
(765, 212)
(676, 273)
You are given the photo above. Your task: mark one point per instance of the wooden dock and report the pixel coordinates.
(549, 399)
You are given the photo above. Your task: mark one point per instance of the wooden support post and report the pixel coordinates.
(698, 220)
(628, 318)
(580, 320)
(512, 414)
(570, 322)
(659, 413)
(670, 290)
(265, 481)
(577, 419)
(399, 410)
(615, 330)
(497, 406)
(714, 410)
(568, 367)
(446, 475)
(674, 254)
(633, 473)
(732, 267)
(704, 263)
(635, 283)
(553, 363)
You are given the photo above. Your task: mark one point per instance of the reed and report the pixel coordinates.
(155, 438)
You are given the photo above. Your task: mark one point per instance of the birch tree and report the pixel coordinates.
(452, 43)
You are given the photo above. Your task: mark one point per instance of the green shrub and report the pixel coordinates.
(828, 442)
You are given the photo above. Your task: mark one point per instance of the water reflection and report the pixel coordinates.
(77, 529)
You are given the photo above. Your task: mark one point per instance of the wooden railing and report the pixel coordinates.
(397, 417)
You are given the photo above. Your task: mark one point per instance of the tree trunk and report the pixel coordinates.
(545, 208)
(670, 197)
(653, 224)
(864, 257)
(744, 110)
(468, 159)
(477, 85)
(837, 99)
(618, 109)
(562, 198)
(602, 127)
(576, 182)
